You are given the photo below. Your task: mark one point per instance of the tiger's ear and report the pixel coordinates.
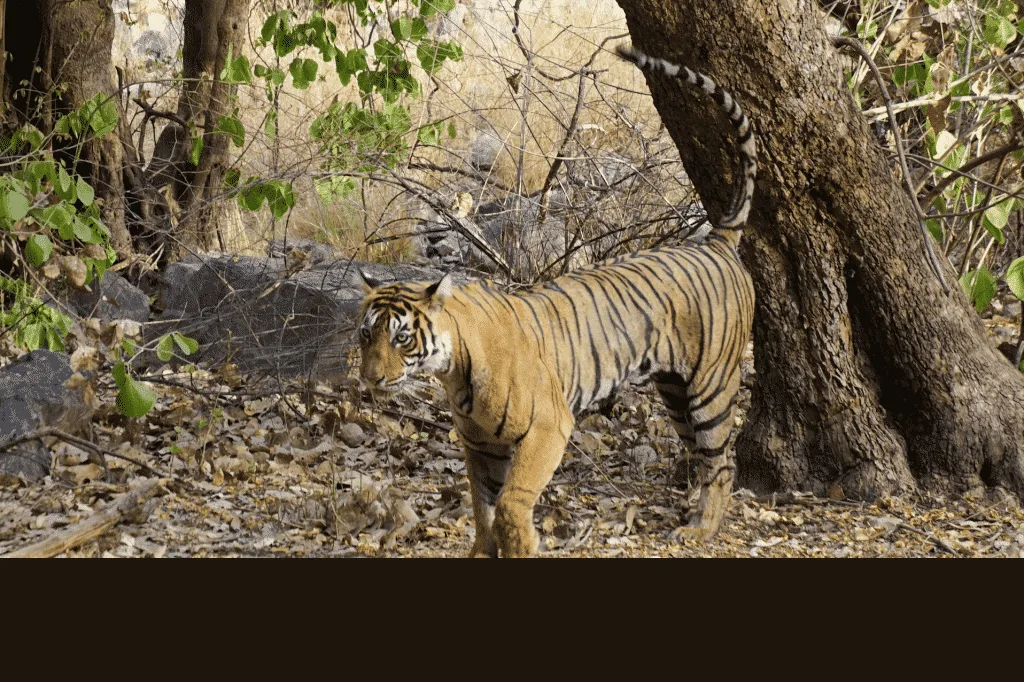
(369, 283)
(439, 292)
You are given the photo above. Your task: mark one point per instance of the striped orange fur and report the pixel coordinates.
(517, 367)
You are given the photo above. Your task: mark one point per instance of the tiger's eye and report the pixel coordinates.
(402, 338)
(365, 333)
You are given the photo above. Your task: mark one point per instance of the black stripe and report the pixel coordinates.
(529, 425)
(504, 415)
(712, 423)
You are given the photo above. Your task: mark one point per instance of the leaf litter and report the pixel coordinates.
(322, 472)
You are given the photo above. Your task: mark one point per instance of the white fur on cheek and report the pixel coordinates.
(440, 356)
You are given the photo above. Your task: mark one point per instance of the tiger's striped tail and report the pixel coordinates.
(731, 225)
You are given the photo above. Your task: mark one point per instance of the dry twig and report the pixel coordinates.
(95, 526)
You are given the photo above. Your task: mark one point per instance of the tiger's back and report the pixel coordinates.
(686, 310)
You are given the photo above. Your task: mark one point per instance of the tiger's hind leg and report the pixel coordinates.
(711, 415)
(487, 472)
(674, 391)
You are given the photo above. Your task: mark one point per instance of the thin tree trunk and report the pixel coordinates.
(213, 28)
(78, 37)
(869, 378)
(3, 56)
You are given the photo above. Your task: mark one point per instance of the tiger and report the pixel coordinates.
(517, 367)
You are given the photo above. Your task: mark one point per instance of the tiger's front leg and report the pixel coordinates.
(487, 472)
(535, 461)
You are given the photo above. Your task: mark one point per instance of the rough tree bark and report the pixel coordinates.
(213, 29)
(869, 377)
(75, 45)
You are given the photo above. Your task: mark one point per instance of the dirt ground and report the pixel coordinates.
(248, 473)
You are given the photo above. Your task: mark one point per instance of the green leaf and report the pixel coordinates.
(56, 217)
(237, 71)
(135, 399)
(402, 28)
(995, 218)
(1015, 277)
(54, 342)
(452, 132)
(999, 31)
(85, 192)
(165, 348)
(252, 197)
(429, 8)
(196, 151)
(232, 177)
(280, 197)
(980, 287)
(33, 335)
(14, 206)
(270, 124)
(303, 72)
(101, 114)
(269, 28)
(38, 249)
(29, 133)
(384, 49)
(63, 126)
(187, 345)
(120, 374)
(233, 128)
(85, 233)
(428, 134)
(65, 186)
(433, 54)
(102, 234)
(43, 169)
(934, 226)
(419, 29)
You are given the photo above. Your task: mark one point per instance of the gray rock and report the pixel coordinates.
(644, 455)
(484, 151)
(247, 310)
(113, 298)
(352, 435)
(317, 253)
(33, 396)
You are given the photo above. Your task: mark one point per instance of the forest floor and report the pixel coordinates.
(245, 472)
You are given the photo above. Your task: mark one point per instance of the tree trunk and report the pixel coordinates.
(213, 29)
(77, 38)
(869, 377)
(3, 59)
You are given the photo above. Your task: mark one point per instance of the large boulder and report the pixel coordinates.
(265, 317)
(508, 226)
(113, 298)
(33, 395)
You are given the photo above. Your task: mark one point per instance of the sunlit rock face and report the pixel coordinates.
(147, 41)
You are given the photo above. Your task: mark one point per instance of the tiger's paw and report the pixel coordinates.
(484, 549)
(698, 529)
(690, 533)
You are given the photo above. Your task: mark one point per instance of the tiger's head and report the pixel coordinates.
(399, 333)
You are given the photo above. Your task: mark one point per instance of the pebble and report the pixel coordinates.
(645, 455)
(352, 435)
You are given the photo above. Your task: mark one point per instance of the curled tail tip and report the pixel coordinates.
(631, 54)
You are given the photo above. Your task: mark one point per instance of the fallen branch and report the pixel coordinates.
(95, 526)
(103, 453)
(930, 537)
